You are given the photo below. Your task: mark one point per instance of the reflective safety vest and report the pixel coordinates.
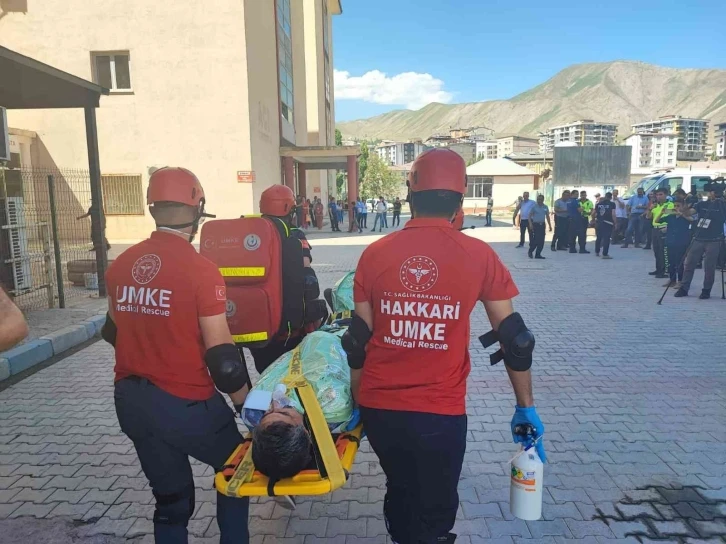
(657, 211)
(586, 208)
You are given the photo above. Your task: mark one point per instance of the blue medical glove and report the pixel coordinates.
(527, 417)
(354, 420)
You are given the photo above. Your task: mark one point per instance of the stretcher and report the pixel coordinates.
(333, 455)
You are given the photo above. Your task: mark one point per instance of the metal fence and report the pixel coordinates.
(45, 236)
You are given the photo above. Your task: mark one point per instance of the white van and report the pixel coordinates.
(680, 178)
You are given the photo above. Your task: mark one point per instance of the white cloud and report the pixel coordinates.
(411, 89)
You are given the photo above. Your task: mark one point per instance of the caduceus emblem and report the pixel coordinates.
(419, 272)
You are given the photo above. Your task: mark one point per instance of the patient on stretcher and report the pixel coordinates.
(281, 445)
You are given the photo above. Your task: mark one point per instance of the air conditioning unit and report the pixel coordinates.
(4, 136)
(16, 236)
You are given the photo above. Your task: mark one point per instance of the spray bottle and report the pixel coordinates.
(527, 478)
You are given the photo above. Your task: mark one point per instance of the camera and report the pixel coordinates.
(718, 186)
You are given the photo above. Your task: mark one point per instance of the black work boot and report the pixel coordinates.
(705, 293)
(681, 293)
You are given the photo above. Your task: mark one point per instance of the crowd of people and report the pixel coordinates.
(310, 214)
(683, 231)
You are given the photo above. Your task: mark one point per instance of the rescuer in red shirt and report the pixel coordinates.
(408, 350)
(166, 320)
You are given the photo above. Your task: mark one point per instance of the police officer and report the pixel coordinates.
(708, 240)
(573, 220)
(174, 354)
(277, 204)
(659, 229)
(559, 240)
(586, 208)
(407, 347)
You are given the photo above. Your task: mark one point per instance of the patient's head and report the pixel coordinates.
(280, 443)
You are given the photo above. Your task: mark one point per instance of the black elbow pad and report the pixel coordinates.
(354, 342)
(517, 341)
(312, 287)
(227, 368)
(109, 330)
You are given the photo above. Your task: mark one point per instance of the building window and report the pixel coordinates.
(112, 70)
(479, 187)
(122, 194)
(284, 51)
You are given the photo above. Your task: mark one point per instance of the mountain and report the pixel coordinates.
(623, 92)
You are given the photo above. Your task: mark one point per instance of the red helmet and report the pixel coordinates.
(172, 184)
(277, 200)
(438, 169)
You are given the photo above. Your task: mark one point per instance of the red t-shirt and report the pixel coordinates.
(159, 289)
(423, 283)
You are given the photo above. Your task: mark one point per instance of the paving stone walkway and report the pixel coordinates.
(633, 396)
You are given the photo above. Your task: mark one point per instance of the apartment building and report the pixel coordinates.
(692, 134)
(583, 132)
(467, 150)
(721, 140)
(486, 149)
(238, 91)
(506, 145)
(653, 149)
(399, 153)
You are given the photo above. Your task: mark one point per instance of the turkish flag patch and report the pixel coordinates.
(221, 292)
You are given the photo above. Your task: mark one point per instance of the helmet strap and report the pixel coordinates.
(194, 223)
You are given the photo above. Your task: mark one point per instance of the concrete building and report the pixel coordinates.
(692, 134)
(501, 179)
(240, 92)
(536, 162)
(721, 140)
(506, 145)
(403, 171)
(467, 150)
(399, 153)
(486, 149)
(439, 140)
(653, 149)
(583, 132)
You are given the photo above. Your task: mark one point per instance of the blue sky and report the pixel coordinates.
(394, 54)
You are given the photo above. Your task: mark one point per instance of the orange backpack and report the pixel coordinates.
(262, 266)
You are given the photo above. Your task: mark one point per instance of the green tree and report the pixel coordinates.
(380, 180)
(340, 179)
(363, 162)
(339, 175)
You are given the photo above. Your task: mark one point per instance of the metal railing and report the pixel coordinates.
(46, 255)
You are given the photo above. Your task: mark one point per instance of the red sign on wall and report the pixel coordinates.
(245, 176)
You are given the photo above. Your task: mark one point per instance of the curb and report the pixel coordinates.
(36, 351)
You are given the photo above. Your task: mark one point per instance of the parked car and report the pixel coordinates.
(679, 178)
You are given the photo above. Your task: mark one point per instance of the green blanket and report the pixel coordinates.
(325, 367)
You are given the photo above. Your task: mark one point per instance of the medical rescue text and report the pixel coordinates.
(143, 300)
(414, 322)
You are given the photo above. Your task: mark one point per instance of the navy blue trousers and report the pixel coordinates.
(166, 430)
(422, 455)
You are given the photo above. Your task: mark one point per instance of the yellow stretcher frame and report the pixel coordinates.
(238, 478)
